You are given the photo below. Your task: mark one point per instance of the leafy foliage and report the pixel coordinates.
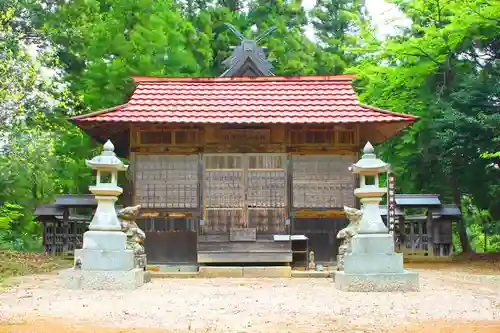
(437, 71)
(443, 68)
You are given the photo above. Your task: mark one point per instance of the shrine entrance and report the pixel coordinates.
(244, 195)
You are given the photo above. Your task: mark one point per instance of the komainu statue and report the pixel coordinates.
(135, 236)
(354, 216)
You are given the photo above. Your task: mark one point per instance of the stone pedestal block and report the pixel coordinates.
(378, 282)
(140, 261)
(374, 266)
(103, 280)
(102, 260)
(105, 240)
(372, 243)
(369, 263)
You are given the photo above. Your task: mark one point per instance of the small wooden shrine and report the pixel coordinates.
(227, 168)
(428, 234)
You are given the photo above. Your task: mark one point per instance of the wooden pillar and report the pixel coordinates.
(65, 231)
(53, 245)
(412, 236)
(44, 235)
(75, 235)
(430, 241)
(402, 236)
(199, 228)
(289, 192)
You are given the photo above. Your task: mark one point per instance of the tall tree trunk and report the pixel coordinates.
(462, 231)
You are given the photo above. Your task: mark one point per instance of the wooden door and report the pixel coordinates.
(244, 191)
(266, 193)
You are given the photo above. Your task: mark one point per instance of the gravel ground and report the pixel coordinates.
(258, 305)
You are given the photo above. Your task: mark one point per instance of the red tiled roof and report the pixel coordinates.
(285, 100)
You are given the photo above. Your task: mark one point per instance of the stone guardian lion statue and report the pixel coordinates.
(354, 216)
(135, 236)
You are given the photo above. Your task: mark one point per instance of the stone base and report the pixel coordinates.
(105, 260)
(147, 276)
(246, 271)
(140, 261)
(103, 280)
(377, 282)
(104, 240)
(373, 263)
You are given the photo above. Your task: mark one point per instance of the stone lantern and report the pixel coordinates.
(104, 262)
(372, 264)
(106, 189)
(369, 167)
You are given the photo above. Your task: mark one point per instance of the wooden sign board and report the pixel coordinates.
(237, 136)
(243, 234)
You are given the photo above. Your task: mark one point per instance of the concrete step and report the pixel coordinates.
(246, 271)
(241, 272)
(311, 274)
(175, 275)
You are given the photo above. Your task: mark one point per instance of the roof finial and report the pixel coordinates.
(368, 148)
(248, 59)
(108, 146)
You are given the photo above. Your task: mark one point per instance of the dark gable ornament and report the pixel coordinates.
(248, 59)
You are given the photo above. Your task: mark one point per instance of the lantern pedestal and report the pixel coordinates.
(372, 264)
(104, 262)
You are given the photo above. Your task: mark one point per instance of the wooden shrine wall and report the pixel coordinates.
(170, 239)
(166, 181)
(171, 165)
(323, 181)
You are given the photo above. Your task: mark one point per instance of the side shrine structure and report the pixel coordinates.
(245, 168)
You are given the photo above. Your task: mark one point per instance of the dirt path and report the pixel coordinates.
(51, 326)
(453, 299)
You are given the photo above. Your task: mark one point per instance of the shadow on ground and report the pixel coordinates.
(46, 326)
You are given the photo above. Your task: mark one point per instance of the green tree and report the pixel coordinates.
(338, 28)
(99, 46)
(437, 70)
(290, 51)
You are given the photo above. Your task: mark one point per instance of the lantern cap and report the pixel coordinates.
(369, 162)
(367, 150)
(107, 160)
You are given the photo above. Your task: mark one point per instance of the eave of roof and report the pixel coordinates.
(256, 100)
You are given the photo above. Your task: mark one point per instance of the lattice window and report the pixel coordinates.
(223, 192)
(155, 138)
(266, 181)
(162, 224)
(312, 136)
(322, 136)
(166, 181)
(175, 137)
(345, 137)
(322, 181)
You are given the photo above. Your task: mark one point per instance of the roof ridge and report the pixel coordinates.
(342, 77)
(100, 112)
(389, 112)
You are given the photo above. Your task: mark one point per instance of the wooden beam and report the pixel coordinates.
(323, 213)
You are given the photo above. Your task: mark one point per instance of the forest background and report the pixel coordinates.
(443, 66)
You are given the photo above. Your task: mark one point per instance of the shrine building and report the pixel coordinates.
(227, 168)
